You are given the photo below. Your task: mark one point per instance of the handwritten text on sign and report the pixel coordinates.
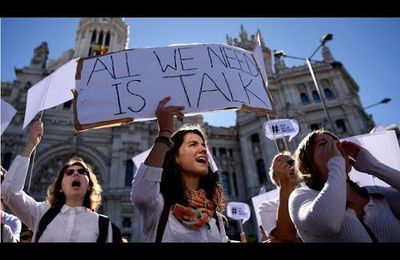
(202, 77)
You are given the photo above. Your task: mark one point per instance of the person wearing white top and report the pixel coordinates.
(76, 189)
(332, 208)
(274, 213)
(175, 190)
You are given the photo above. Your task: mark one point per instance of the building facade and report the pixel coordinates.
(243, 153)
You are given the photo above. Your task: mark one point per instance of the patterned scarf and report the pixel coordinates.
(197, 213)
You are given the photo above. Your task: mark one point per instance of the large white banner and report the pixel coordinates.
(384, 146)
(7, 114)
(124, 86)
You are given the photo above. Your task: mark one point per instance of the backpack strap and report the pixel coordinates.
(162, 223)
(103, 229)
(48, 217)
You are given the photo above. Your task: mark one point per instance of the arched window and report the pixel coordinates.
(93, 36)
(107, 43)
(128, 173)
(101, 35)
(328, 94)
(304, 98)
(315, 96)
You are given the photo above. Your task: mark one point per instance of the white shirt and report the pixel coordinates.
(147, 198)
(72, 224)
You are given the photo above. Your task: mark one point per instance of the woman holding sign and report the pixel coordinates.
(175, 190)
(333, 208)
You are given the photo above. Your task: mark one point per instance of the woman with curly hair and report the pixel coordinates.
(332, 208)
(69, 212)
(177, 194)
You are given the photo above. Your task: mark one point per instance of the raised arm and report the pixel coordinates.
(21, 204)
(166, 124)
(285, 230)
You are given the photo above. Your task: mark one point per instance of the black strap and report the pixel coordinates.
(50, 214)
(103, 229)
(370, 233)
(2, 226)
(162, 223)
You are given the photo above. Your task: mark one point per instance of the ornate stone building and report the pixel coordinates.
(242, 153)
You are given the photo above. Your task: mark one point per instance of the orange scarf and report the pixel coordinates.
(197, 213)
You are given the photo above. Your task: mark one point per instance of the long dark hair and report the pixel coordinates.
(172, 185)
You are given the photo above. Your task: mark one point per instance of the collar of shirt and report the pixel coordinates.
(67, 208)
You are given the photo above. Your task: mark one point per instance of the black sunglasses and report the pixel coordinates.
(81, 171)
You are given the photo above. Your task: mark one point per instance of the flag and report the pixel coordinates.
(238, 211)
(279, 128)
(7, 114)
(51, 91)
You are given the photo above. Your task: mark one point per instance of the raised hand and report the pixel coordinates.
(35, 136)
(165, 115)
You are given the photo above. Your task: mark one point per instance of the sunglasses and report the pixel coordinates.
(81, 171)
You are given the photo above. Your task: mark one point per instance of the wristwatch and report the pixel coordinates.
(165, 140)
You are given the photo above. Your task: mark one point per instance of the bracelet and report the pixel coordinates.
(165, 140)
(165, 130)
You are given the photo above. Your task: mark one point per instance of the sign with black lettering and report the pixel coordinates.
(124, 86)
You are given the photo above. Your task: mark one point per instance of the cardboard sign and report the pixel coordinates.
(120, 87)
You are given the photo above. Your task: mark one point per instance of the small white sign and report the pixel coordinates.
(279, 128)
(238, 211)
(7, 114)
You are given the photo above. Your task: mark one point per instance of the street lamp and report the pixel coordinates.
(383, 101)
(325, 38)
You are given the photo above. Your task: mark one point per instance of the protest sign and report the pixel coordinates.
(120, 87)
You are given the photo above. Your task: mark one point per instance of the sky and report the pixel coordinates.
(367, 47)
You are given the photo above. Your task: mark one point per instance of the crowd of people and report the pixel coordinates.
(180, 199)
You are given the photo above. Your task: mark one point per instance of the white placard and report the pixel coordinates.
(124, 86)
(384, 146)
(279, 128)
(51, 91)
(7, 114)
